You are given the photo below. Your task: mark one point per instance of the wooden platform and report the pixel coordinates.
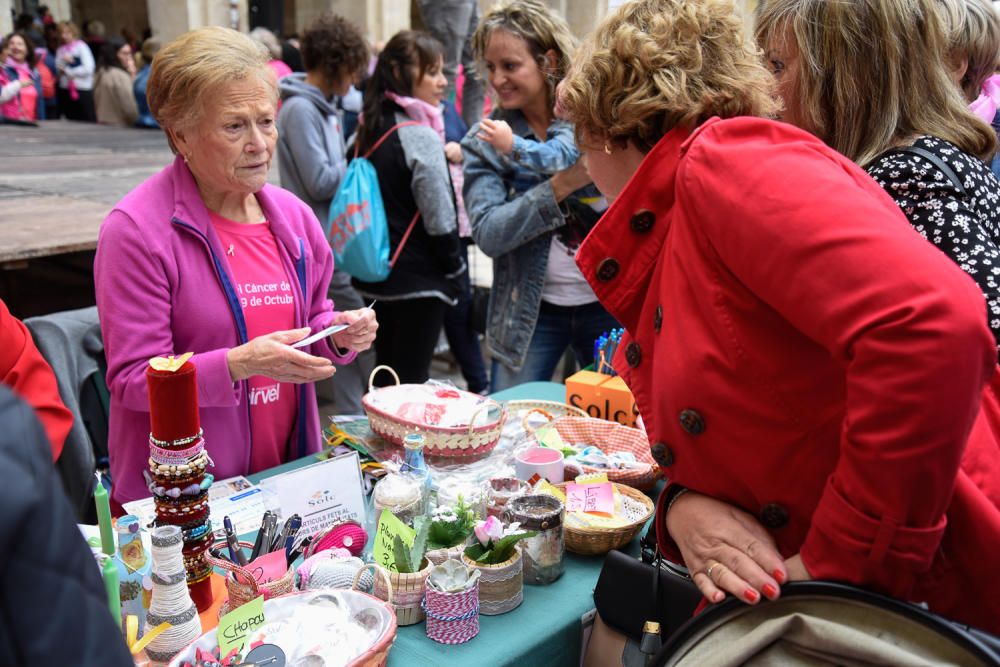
(59, 180)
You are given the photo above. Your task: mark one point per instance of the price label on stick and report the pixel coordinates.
(590, 498)
(235, 626)
(388, 528)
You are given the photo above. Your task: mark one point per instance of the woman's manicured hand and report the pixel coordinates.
(726, 549)
(361, 334)
(271, 356)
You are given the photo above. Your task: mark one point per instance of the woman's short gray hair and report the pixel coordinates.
(198, 63)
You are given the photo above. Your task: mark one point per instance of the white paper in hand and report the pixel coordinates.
(329, 331)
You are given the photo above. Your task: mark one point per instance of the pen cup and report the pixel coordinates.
(241, 583)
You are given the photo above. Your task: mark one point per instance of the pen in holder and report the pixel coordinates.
(243, 585)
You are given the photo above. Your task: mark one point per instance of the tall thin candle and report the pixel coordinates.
(111, 587)
(104, 518)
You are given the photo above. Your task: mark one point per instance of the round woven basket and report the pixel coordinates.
(611, 437)
(241, 584)
(438, 556)
(501, 586)
(406, 590)
(593, 541)
(468, 440)
(549, 409)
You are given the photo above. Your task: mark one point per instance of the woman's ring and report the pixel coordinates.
(711, 567)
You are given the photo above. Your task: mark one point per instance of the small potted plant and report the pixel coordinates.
(495, 554)
(450, 529)
(408, 575)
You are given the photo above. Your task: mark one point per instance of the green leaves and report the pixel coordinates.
(408, 559)
(496, 552)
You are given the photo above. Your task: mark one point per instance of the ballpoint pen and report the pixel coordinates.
(235, 553)
(259, 542)
(270, 526)
(279, 540)
(293, 531)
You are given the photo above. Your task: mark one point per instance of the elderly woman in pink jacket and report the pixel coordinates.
(205, 257)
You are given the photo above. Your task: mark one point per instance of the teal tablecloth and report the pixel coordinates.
(545, 631)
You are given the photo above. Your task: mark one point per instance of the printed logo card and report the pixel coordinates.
(235, 626)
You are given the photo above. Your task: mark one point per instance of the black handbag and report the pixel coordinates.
(640, 603)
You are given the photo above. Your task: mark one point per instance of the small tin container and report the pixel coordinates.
(543, 553)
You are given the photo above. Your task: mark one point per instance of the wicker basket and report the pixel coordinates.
(406, 591)
(596, 541)
(438, 556)
(241, 584)
(377, 655)
(549, 409)
(611, 437)
(468, 440)
(501, 586)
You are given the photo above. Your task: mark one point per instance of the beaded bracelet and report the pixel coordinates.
(192, 534)
(176, 443)
(176, 456)
(197, 464)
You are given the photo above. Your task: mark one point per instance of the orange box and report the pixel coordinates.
(602, 397)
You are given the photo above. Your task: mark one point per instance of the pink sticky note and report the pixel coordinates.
(590, 498)
(269, 567)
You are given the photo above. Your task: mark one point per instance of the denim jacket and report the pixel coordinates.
(515, 229)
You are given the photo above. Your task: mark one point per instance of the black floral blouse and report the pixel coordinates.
(966, 227)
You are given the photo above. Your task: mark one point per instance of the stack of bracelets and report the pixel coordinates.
(177, 463)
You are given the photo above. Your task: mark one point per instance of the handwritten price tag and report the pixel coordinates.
(240, 622)
(269, 567)
(590, 498)
(388, 528)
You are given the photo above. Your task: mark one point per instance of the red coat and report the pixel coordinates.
(797, 350)
(23, 369)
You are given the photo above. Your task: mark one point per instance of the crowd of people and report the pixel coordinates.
(799, 235)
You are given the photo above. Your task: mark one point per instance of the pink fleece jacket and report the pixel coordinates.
(163, 288)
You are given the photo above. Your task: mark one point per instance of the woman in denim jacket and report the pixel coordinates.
(528, 219)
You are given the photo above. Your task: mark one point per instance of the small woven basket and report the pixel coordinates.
(377, 655)
(438, 441)
(611, 437)
(501, 586)
(592, 541)
(549, 409)
(438, 556)
(242, 585)
(406, 591)
(452, 618)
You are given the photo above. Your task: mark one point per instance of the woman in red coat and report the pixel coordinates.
(810, 371)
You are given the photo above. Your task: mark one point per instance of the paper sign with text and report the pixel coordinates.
(269, 567)
(322, 494)
(388, 528)
(240, 622)
(590, 498)
(549, 437)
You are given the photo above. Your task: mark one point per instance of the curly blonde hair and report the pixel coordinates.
(658, 64)
(541, 29)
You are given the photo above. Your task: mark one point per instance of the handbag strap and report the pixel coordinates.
(940, 164)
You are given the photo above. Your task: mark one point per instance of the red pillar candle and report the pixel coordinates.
(173, 403)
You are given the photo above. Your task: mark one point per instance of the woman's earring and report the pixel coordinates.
(187, 158)
(607, 148)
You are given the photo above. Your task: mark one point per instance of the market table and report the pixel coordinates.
(546, 630)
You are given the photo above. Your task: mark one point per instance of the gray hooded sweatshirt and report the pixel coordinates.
(311, 157)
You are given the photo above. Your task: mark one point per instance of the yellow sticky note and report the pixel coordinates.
(235, 626)
(546, 488)
(388, 528)
(592, 478)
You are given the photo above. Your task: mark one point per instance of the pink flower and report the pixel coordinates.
(489, 530)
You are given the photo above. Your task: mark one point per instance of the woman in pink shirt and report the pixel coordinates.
(206, 257)
(19, 80)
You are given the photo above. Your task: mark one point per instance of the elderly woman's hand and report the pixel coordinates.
(272, 356)
(360, 335)
(725, 549)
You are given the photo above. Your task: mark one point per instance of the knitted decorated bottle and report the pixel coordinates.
(177, 463)
(171, 601)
